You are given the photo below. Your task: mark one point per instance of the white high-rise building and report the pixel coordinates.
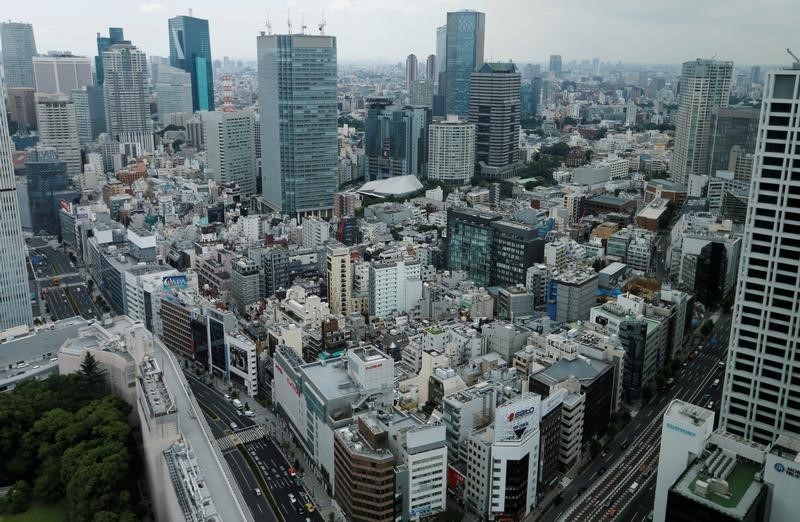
(15, 298)
(58, 128)
(230, 147)
(394, 286)
(340, 279)
(762, 377)
(62, 73)
(315, 231)
(451, 151)
(705, 86)
(125, 90)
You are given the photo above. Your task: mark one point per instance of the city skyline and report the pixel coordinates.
(511, 32)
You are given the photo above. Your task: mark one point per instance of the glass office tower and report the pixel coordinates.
(464, 54)
(190, 50)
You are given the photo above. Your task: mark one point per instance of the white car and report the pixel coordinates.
(249, 413)
(234, 425)
(227, 397)
(257, 492)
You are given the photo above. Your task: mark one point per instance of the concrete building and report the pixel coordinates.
(451, 146)
(58, 73)
(731, 127)
(503, 468)
(412, 68)
(230, 148)
(58, 128)
(705, 86)
(394, 286)
(571, 295)
(759, 398)
(462, 413)
(316, 231)
(365, 472)
(126, 93)
(89, 113)
(340, 279)
(22, 106)
(300, 161)
(494, 108)
(245, 283)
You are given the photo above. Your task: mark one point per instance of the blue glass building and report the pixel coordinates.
(190, 50)
(47, 186)
(464, 54)
(297, 93)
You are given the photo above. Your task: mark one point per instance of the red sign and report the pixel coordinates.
(373, 366)
(66, 206)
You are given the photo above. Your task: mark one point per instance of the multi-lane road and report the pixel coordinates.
(64, 302)
(604, 491)
(231, 428)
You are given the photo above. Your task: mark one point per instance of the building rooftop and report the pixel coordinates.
(394, 186)
(666, 184)
(159, 400)
(37, 348)
(583, 369)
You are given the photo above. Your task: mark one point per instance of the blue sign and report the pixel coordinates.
(680, 429)
(780, 468)
(174, 282)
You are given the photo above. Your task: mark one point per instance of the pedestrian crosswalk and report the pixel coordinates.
(251, 434)
(244, 436)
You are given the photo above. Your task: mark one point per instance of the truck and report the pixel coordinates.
(238, 404)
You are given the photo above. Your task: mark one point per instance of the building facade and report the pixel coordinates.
(451, 146)
(395, 139)
(58, 128)
(705, 87)
(761, 383)
(230, 147)
(297, 93)
(19, 48)
(173, 87)
(15, 298)
(61, 73)
(464, 55)
(126, 93)
(190, 50)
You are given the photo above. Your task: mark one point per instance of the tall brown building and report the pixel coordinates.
(22, 106)
(365, 485)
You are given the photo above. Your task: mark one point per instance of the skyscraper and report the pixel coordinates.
(58, 128)
(115, 36)
(411, 70)
(230, 146)
(464, 50)
(340, 282)
(731, 127)
(47, 185)
(704, 87)
(494, 108)
(126, 93)
(15, 299)
(190, 50)
(90, 113)
(441, 48)
(395, 139)
(297, 93)
(451, 151)
(60, 73)
(19, 48)
(762, 375)
(173, 88)
(555, 65)
(430, 68)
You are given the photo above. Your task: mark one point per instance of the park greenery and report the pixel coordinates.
(67, 438)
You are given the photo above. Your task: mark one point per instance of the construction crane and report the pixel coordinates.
(269, 26)
(321, 24)
(289, 20)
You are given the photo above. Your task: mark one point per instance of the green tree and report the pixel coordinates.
(647, 393)
(18, 498)
(93, 374)
(612, 430)
(707, 328)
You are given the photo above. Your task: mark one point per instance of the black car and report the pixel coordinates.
(601, 470)
(705, 399)
(624, 445)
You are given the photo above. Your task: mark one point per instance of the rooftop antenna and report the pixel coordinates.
(269, 26)
(289, 20)
(796, 59)
(190, 12)
(321, 24)
(303, 23)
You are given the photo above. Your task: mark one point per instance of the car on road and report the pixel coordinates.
(249, 413)
(257, 491)
(227, 397)
(710, 405)
(582, 491)
(608, 502)
(624, 445)
(291, 471)
(292, 499)
(633, 487)
(601, 470)
(705, 399)
(310, 507)
(234, 425)
(715, 383)
(721, 364)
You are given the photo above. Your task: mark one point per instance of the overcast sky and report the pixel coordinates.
(671, 31)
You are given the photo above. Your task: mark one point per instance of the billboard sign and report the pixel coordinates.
(513, 420)
(66, 206)
(174, 282)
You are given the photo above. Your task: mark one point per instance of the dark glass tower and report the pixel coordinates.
(47, 185)
(190, 50)
(464, 54)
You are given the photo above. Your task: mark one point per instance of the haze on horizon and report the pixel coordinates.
(388, 30)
